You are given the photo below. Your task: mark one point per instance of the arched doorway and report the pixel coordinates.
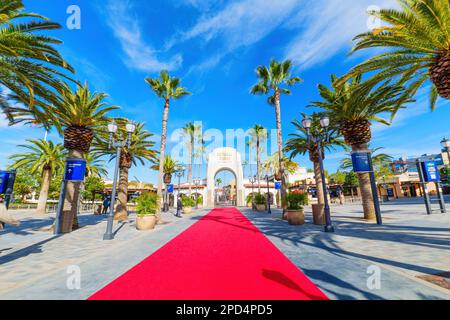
(225, 159)
(225, 191)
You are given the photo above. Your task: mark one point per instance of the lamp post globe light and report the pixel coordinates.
(118, 144)
(319, 139)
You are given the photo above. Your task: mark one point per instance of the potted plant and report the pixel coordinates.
(295, 201)
(249, 201)
(260, 202)
(187, 203)
(146, 205)
(200, 202)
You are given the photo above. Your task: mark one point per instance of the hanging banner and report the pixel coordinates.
(361, 162)
(277, 185)
(430, 171)
(75, 170)
(170, 188)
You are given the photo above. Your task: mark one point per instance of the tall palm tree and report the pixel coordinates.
(273, 165)
(259, 135)
(352, 107)
(44, 158)
(77, 115)
(170, 167)
(250, 145)
(167, 88)
(30, 65)
(272, 82)
(190, 130)
(417, 39)
(299, 144)
(140, 150)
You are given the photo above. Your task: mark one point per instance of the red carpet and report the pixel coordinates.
(221, 257)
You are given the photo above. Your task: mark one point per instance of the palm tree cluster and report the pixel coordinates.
(41, 93)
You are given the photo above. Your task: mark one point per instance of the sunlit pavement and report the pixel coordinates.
(34, 264)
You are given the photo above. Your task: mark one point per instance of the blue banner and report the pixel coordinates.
(277, 185)
(4, 178)
(75, 170)
(170, 188)
(430, 171)
(361, 162)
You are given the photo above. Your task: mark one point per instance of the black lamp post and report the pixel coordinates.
(252, 181)
(179, 173)
(196, 183)
(319, 139)
(118, 144)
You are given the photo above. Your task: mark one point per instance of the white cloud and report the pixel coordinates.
(326, 27)
(138, 54)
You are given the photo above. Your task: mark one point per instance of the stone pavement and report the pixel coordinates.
(37, 268)
(407, 245)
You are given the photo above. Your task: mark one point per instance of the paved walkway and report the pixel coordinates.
(34, 264)
(408, 245)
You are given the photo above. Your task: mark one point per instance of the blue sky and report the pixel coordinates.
(215, 46)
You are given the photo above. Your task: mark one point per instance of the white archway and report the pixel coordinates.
(225, 159)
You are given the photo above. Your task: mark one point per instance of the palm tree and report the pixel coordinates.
(170, 167)
(139, 150)
(272, 81)
(30, 65)
(166, 88)
(417, 38)
(352, 108)
(258, 134)
(299, 144)
(44, 158)
(273, 164)
(95, 167)
(190, 130)
(250, 144)
(78, 115)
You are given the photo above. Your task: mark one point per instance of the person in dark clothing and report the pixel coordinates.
(106, 205)
(179, 207)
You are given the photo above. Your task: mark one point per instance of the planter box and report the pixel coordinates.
(296, 217)
(146, 222)
(318, 214)
(187, 210)
(260, 207)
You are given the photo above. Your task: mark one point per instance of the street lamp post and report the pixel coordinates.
(319, 139)
(179, 173)
(269, 211)
(196, 183)
(112, 129)
(252, 181)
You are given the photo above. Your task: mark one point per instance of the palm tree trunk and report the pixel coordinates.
(280, 150)
(122, 195)
(257, 165)
(161, 158)
(43, 195)
(319, 184)
(366, 189)
(69, 219)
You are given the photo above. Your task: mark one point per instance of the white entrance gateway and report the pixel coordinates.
(225, 159)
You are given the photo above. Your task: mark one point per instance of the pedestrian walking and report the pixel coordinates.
(106, 205)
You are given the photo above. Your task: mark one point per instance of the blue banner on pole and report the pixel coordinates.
(430, 171)
(4, 178)
(361, 162)
(170, 188)
(75, 170)
(277, 185)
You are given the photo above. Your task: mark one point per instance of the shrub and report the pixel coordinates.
(146, 204)
(200, 200)
(296, 200)
(187, 202)
(260, 199)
